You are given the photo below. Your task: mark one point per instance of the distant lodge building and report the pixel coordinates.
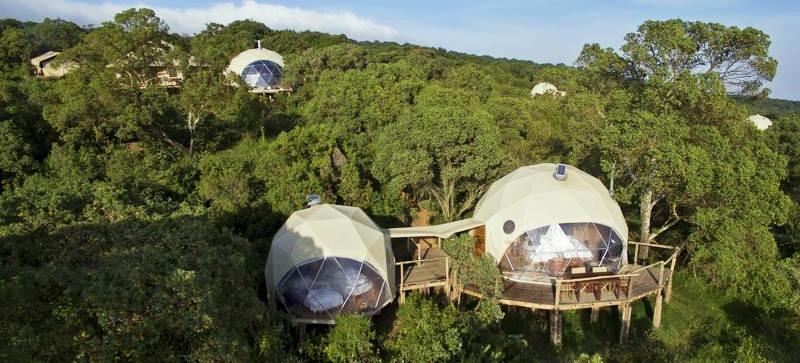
(261, 69)
(559, 241)
(45, 68)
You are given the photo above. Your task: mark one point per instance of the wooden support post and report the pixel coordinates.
(419, 252)
(668, 293)
(659, 298)
(636, 254)
(657, 310)
(447, 275)
(595, 314)
(558, 293)
(625, 327)
(555, 327)
(402, 293)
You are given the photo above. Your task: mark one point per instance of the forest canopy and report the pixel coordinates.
(135, 219)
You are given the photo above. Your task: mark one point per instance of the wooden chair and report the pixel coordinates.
(622, 286)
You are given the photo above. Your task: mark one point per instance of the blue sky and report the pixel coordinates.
(539, 30)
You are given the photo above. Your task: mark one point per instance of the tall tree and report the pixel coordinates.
(446, 150)
(114, 95)
(671, 48)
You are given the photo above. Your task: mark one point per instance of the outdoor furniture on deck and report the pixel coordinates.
(596, 287)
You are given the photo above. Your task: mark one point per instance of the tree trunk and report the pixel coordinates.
(191, 124)
(645, 211)
(191, 142)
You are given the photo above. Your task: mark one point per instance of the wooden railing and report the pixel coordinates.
(669, 261)
(561, 283)
(420, 262)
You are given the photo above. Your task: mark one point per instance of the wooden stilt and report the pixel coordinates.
(595, 314)
(668, 293)
(555, 327)
(402, 297)
(625, 327)
(657, 310)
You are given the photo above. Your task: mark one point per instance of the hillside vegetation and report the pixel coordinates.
(135, 220)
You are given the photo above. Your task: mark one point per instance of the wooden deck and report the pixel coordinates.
(432, 269)
(429, 267)
(543, 296)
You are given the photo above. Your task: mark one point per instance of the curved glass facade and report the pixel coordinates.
(561, 250)
(262, 74)
(323, 287)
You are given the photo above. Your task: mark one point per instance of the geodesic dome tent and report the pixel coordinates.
(330, 259)
(542, 219)
(761, 122)
(545, 88)
(259, 68)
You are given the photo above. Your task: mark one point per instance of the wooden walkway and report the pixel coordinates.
(432, 269)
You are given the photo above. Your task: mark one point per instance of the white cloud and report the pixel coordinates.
(192, 20)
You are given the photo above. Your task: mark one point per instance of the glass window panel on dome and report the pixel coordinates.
(323, 287)
(366, 290)
(551, 251)
(262, 74)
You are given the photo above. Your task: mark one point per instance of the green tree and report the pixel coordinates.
(165, 291)
(446, 150)
(114, 95)
(670, 49)
(56, 35)
(351, 340)
(423, 320)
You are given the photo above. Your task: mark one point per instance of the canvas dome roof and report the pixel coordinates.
(761, 122)
(243, 59)
(531, 197)
(546, 88)
(329, 230)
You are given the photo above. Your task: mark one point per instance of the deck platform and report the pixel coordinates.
(430, 267)
(543, 295)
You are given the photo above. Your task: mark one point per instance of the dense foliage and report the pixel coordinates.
(135, 219)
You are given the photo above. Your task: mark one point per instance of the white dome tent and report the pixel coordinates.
(762, 123)
(259, 68)
(329, 259)
(545, 88)
(537, 224)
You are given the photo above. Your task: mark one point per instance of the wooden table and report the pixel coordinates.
(596, 287)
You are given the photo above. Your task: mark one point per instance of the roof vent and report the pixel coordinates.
(560, 173)
(259, 43)
(312, 200)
